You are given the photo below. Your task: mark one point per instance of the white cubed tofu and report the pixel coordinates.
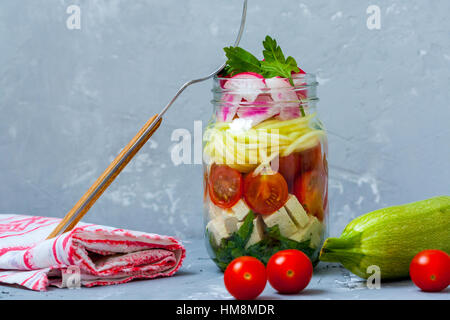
(230, 224)
(315, 240)
(214, 211)
(222, 227)
(257, 233)
(313, 228)
(282, 219)
(296, 211)
(240, 210)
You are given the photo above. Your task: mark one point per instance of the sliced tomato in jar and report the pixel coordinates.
(288, 167)
(225, 186)
(311, 158)
(325, 173)
(265, 193)
(205, 185)
(310, 191)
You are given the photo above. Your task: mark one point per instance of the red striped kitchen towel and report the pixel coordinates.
(103, 255)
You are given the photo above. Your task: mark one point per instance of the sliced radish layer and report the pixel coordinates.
(227, 109)
(287, 113)
(223, 81)
(302, 94)
(263, 100)
(300, 72)
(284, 94)
(247, 85)
(257, 114)
(246, 98)
(281, 90)
(226, 114)
(259, 110)
(247, 75)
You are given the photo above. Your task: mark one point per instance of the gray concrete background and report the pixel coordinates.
(71, 99)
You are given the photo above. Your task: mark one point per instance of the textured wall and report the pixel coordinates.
(70, 99)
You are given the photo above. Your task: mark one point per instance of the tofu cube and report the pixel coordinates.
(282, 219)
(222, 227)
(296, 211)
(240, 210)
(315, 240)
(257, 233)
(214, 211)
(313, 228)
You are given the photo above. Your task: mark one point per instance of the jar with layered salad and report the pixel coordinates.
(265, 168)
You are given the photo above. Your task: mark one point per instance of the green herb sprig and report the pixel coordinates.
(274, 64)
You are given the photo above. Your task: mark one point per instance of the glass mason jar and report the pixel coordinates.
(265, 169)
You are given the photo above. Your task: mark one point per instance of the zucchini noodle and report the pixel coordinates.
(257, 147)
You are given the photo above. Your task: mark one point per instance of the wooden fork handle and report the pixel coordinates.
(102, 183)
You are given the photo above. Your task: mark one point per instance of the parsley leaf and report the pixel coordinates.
(240, 60)
(275, 64)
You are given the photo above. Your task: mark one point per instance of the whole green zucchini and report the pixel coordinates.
(389, 238)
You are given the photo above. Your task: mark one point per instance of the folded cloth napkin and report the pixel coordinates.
(103, 255)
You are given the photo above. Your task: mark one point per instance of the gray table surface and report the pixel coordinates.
(199, 278)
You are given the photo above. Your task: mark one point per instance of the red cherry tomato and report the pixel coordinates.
(245, 278)
(311, 158)
(205, 185)
(325, 173)
(289, 167)
(430, 270)
(310, 191)
(289, 271)
(225, 186)
(265, 193)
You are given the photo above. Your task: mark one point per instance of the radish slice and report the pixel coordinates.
(257, 114)
(259, 110)
(223, 80)
(302, 94)
(263, 99)
(287, 113)
(227, 110)
(284, 94)
(300, 72)
(247, 85)
(282, 91)
(226, 114)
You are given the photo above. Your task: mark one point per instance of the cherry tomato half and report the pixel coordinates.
(265, 193)
(311, 158)
(289, 166)
(289, 271)
(245, 278)
(325, 173)
(430, 270)
(310, 191)
(225, 186)
(205, 185)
